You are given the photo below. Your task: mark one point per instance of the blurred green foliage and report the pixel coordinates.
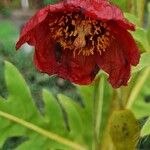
(46, 2)
(123, 4)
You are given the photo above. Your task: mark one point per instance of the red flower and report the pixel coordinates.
(76, 38)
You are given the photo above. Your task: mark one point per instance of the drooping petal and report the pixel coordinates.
(116, 65)
(27, 33)
(44, 56)
(127, 43)
(100, 10)
(80, 69)
(119, 56)
(50, 58)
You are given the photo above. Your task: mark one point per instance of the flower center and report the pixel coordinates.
(81, 34)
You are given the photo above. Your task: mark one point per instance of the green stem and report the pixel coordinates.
(41, 131)
(97, 111)
(120, 99)
(99, 107)
(95, 142)
(136, 89)
(106, 141)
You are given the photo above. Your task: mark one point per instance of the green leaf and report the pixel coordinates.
(132, 18)
(121, 3)
(148, 32)
(144, 62)
(13, 142)
(91, 94)
(20, 117)
(46, 2)
(87, 95)
(140, 35)
(18, 91)
(140, 107)
(53, 111)
(74, 118)
(107, 98)
(146, 128)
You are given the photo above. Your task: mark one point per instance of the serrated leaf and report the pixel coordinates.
(53, 109)
(20, 117)
(146, 128)
(13, 143)
(18, 91)
(87, 95)
(74, 119)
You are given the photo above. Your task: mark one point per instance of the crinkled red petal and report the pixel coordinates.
(27, 34)
(116, 65)
(80, 69)
(126, 42)
(100, 10)
(50, 59)
(118, 58)
(44, 56)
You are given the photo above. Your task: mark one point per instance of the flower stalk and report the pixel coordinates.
(97, 111)
(99, 106)
(49, 135)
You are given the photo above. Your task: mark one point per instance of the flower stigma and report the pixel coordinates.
(81, 34)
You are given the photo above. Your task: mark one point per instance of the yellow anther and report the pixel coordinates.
(71, 33)
(67, 28)
(81, 35)
(73, 22)
(107, 33)
(60, 20)
(92, 51)
(75, 33)
(95, 32)
(104, 25)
